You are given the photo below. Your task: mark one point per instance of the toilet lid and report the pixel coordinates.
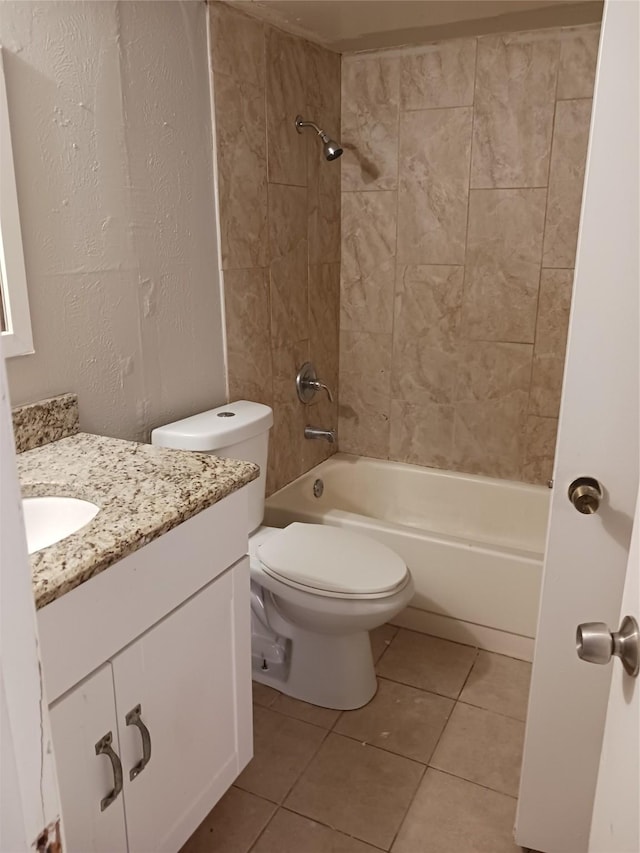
(332, 560)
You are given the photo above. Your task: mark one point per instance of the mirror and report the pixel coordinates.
(15, 322)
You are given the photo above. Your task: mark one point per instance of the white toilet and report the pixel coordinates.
(316, 590)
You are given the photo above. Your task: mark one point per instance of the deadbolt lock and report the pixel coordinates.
(585, 494)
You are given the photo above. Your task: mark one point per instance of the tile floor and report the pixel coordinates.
(430, 765)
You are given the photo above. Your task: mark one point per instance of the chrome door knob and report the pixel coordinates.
(595, 643)
(585, 494)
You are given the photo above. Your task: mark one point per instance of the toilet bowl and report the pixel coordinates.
(316, 590)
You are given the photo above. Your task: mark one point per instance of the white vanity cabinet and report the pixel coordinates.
(175, 700)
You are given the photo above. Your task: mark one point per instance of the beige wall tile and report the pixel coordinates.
(368, 261)
(488, 437)
(492, 394)
(370, 108)
(435, 147)
(566, 179)
(246, 294)
(503, 264)
(323, 178)
(421, 434)
(323, 203)
(323, 84)
(539, 449)
(439, 75)
(428, 303)
(286, 97)
(324, 346)
(546, 384)
(365, 377)
(494, 371)
(514, 101)
(551, 340)
(242, 172)
(288, 246)
(237, 44)
(578, 57)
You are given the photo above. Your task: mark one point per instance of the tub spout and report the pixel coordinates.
(325, 434)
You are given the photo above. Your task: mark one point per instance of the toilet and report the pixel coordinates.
(316, 590)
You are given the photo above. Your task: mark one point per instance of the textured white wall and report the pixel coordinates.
(111, 129)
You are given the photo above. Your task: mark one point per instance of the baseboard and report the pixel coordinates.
(490, 639)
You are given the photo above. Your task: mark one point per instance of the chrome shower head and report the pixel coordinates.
(332, 149)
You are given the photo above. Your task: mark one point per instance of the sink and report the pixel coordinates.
(50, 519)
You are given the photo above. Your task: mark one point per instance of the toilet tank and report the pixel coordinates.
(238, 430)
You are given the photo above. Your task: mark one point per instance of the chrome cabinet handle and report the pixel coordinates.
(103, 747)
(133, 718)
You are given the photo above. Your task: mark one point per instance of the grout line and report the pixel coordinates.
(471, 782)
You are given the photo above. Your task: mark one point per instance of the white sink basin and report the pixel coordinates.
(50, 519)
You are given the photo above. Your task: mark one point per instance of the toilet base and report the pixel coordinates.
(329, 670)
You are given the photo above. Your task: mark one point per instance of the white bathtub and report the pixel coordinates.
(474, 544)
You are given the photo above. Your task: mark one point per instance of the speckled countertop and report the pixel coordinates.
(143, 492)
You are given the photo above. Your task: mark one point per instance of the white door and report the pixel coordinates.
(586, 558)
(29, 799)
(182, 676)
(615, 824)
(85, 736)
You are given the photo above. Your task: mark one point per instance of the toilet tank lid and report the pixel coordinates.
(216, 428)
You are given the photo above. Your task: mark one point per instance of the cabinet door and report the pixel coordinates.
(182, 675)
(79, 720)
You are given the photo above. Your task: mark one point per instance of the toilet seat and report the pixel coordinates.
(332, 562)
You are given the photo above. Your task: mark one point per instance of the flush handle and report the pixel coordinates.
(595, 643)
(585, 494)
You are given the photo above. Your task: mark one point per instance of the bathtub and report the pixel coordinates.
(474, 544)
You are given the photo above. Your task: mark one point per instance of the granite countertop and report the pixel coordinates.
(143, 491)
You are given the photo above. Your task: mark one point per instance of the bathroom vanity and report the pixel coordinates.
(143, 618)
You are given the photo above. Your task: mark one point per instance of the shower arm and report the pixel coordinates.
(300, 123)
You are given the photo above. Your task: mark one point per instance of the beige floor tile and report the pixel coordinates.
(323, 717)
(449, 815)
(427, 662)
(399, 718)
(263, 695)
(482, 747)
(499, 684)
(282, 748)
(232, 826)
(292, 833)
(381, 640)
(359, 790)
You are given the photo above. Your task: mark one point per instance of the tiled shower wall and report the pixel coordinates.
(279, 205)
(461, 189)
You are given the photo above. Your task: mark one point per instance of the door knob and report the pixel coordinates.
(585, 494)
(596, 644)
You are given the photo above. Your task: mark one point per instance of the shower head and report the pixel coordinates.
(332, 149)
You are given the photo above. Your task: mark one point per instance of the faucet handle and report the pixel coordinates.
(317, 385)
(308, 384)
